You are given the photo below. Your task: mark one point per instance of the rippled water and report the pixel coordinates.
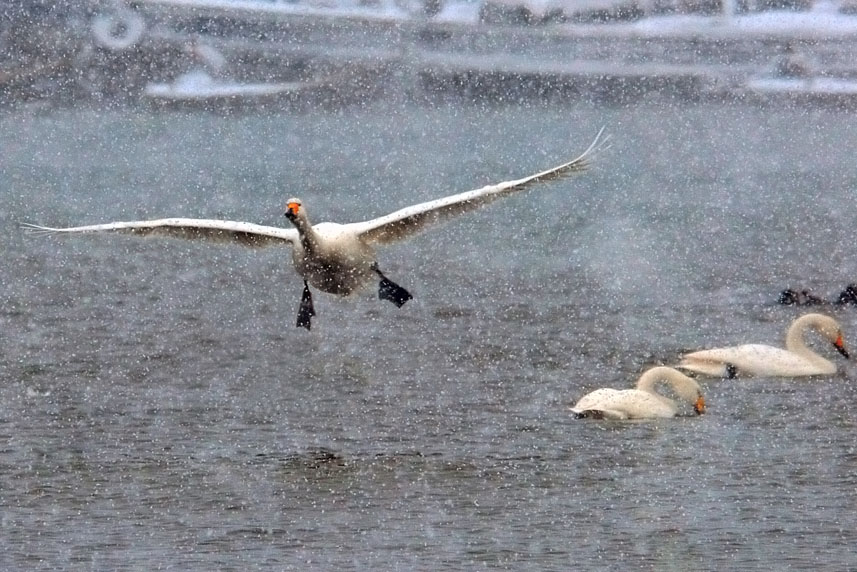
(159, 410)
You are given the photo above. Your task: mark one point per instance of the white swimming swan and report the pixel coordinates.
(339, 258)
(797, 360)
(643, 402)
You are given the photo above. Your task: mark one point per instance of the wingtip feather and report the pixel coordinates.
(31, 228)
(599, 144)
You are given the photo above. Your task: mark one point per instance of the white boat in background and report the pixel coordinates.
(198, 87)
(796, 78)
(480, 48)
(812, 90)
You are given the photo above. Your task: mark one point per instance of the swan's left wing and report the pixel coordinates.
(192, 228)
(410, 220)
(599, 404)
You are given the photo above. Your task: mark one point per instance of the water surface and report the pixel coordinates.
(159, 410)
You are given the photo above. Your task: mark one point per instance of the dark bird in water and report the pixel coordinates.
(790, 297)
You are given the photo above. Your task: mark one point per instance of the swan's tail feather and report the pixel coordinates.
(709, 368)
(599, 414)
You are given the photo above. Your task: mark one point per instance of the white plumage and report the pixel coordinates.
(760, 360)
(643, 402)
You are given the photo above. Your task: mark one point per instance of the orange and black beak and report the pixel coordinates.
(839, 344)
(699, 406)
(292, 210)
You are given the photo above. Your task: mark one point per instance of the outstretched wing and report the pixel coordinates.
(410, 220)
(191, 228)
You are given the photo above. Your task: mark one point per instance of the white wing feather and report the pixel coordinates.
(410, 220)
(215, 230)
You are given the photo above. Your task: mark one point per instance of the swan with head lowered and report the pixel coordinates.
(340, 258)
(643, 402)
(760, 360)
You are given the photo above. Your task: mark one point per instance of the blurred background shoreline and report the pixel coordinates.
(207, 53)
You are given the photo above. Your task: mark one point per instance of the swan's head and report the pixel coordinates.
(294, 209)
(830, 329)
(691, 392)
(839, 344)
(824, 325)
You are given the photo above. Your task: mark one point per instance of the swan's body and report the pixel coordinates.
(340, 258)
(643, 402)
(331, 258)
(760, 360)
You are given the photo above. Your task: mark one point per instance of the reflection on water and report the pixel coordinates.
(159, 409)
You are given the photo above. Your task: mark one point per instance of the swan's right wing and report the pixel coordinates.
(191, 228)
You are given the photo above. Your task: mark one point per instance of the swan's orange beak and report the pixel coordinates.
(292, 209)
(839, 344)
(699, 406)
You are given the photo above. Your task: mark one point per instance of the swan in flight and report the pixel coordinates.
(340, 258)
(797, 360)
(643, 402)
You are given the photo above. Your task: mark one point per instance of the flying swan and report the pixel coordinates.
(643, 402)
(340, 258)
(797, 360)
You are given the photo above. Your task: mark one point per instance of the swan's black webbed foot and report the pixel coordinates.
(731, 371)
(306, 310)
(389, 290)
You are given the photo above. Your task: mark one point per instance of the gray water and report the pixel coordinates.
(159, 410)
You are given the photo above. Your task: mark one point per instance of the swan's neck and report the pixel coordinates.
(308, 235)
(650, 379)
(684, 387)
(796, 344)
(648, 384)
(651, 388)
